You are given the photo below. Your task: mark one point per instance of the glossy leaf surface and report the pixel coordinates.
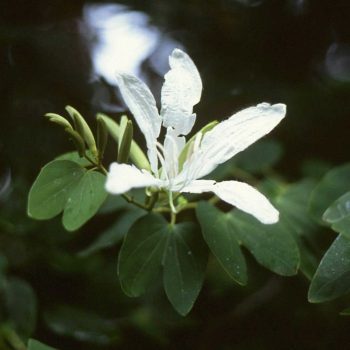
(217, 232)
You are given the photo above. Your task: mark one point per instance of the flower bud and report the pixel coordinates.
(83, 129)
(125, 140)
(57, 119)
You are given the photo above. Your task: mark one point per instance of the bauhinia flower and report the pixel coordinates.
(180, 92)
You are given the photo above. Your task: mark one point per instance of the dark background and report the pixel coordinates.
(247, 51)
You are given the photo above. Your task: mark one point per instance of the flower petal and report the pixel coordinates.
(181, 90)
(248, 199)
(239, 194)
(232, 136)
(173, 146)
(123, 177)
(197, 186)
(142, 105)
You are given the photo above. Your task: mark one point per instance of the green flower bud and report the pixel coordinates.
(78, 141)
(125, 142)
(136, 154)
(83, 129)
(102, 136)
(57, 119)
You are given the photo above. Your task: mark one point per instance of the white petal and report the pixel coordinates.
(123, 177)
(198, 186)
(173, 146)
(142, 105)
(181, 90)
(248, 199)
(240, 195)
(233, 136)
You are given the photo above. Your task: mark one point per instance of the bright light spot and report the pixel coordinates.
(121, 41)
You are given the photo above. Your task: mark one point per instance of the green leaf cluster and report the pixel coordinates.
(65, 186)
(153, 249)
(330, 202)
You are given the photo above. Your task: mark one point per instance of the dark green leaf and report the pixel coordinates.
(52, 187)
(345, 312)
(334, 184)
(84, 200)
(315, 168)
(259, 156)
(114, 203)
(21, 306)
(293, 207)
(35, 345)
(74, 157)
(115, 233)
(272, 245)
(82, 325)
(222, 242)
(338, 210)
(185, 261)
(338, 215)
(140, 257)
(332, 278)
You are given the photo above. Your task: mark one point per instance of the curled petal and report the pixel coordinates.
(240, 195)
(142, 105)
(233, 136)
(248, 199)
(181, 90)
(123, 177)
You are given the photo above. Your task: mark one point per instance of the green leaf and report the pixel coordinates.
(74, 157)
(82, 325)
(35, 345)
(50, 191)
(84, 200)
(338, 210)
(21, 306)
(222, 242)
(115, 233)
(334, 184)
(332, 278)
(338, 215)
(140, 257)
(272, 245)
(345, 312)
(185, 261)
(259, 156)
(293, 207)
(153, 242)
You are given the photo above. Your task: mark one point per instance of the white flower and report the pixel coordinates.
(180, 92)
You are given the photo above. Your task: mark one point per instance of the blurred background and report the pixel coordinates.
(59, 52)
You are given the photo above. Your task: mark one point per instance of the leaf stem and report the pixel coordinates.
(132, 201)
(173, 218)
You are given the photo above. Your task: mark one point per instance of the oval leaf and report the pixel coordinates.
(50, 191)
(332, 186)
(292, 204)
(332, 278)
(221, 241)
(339, 210)
(84, 200)
(140, 258)
(21, 306)
(185, 261)
(114, 233)
(272, 245)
